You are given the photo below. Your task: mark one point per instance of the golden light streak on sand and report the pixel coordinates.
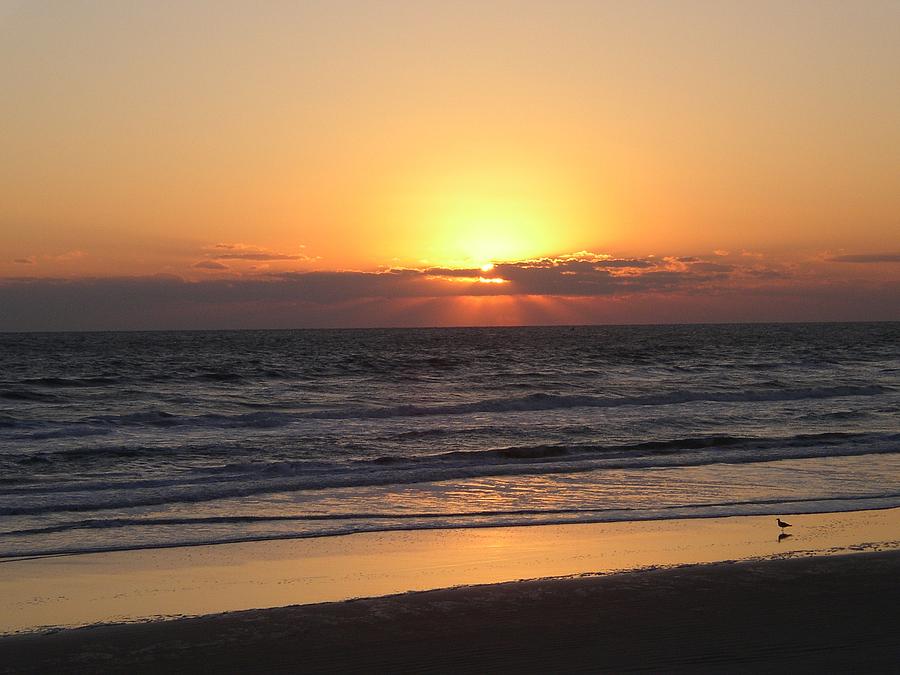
(130, 585)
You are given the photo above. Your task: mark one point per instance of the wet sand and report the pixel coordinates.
(814, 614)
(824, 599)
(137, 585)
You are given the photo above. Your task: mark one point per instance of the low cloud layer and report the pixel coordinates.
(725, 285)
(867, 258)
(210, 265)
(252, 253)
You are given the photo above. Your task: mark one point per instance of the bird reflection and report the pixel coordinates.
(783, 536)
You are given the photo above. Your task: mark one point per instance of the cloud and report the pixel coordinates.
(296, 298)
(446, 272)
(210, 265)
(701, 266)
(625, 262)
(259, 255)
(560, 276)
(67, 256)
(244, 252)
(70, 255)
(866, 258)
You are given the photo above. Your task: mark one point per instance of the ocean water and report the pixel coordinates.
(130, 440)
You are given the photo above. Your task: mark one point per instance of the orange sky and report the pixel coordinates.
(219, 141)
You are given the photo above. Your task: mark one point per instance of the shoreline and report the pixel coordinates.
(818, 613)
(4, 559)
(137, 585)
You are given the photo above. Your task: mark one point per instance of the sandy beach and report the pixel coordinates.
(820, 614)
(666, 595)
(137, 585)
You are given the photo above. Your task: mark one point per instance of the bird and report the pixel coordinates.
(782, 524)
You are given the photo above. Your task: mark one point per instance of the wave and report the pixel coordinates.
(543, 401)
(71, 381)
(161, 418)
(71, 432)
(345, 524)
(7, 422)
(256, 478)
(545, 451)
(28, 395)
(104, 523)
(530, 403)
(437, 432)
(223, 376)
(517, 452)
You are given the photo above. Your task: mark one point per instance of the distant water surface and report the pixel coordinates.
(129, 440)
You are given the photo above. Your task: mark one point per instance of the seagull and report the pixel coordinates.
(782, 524)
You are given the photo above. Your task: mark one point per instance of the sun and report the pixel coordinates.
(499, 211)
(487, 267)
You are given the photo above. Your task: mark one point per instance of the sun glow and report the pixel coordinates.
(472, 280)
(512, 231)
(469, 211)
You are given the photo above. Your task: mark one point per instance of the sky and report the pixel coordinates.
(416, 163)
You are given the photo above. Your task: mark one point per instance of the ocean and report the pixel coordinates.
(115, 441)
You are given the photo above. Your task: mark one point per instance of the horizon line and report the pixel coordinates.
(461, 327)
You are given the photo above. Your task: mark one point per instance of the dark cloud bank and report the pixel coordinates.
(868, 258)
(605, 289)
